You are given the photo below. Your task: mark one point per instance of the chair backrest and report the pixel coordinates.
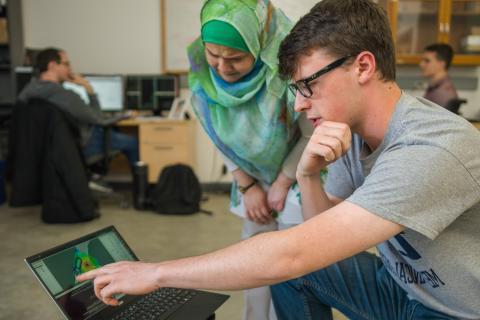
(454, 105)
(47, 164)
(26, 152)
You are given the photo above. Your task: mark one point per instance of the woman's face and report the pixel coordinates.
(230, 64)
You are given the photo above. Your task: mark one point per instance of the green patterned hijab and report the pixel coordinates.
(250, 121)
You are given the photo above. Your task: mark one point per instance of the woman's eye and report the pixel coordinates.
(212, 55)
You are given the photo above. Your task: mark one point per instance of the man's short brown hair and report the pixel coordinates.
(342, 28)
(46, 56)
(443, 52)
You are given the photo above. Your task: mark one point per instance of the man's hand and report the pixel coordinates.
(80, 80)
(126, 277)
(255, 201)
(278, 192)
(329, 141)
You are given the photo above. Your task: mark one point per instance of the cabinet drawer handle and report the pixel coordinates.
(164, 148)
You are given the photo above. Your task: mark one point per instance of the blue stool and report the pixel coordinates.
(2, 182)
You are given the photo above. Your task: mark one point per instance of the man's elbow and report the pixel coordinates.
(288, 263)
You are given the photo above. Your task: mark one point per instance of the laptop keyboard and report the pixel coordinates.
(156, 305)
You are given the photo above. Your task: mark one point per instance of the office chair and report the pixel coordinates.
(47, 165)
(99, 163)
(98, 167)
(454, 105)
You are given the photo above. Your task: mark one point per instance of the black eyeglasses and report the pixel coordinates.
(303, 86)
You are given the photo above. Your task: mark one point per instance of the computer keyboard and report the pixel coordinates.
(156, 305)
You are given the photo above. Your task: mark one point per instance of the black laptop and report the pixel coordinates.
(57, 268)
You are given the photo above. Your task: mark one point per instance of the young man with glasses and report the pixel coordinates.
(404, 175)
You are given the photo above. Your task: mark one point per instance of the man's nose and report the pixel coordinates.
(301, 103)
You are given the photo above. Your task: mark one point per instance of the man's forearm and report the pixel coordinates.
(314, 198)
(262, 260)
(278, 256)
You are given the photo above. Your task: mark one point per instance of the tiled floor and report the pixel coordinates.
(153, 237)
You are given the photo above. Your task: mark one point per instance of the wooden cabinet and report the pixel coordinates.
(166, 142)
(418, 23)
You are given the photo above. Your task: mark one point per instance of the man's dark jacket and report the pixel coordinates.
(46, 163)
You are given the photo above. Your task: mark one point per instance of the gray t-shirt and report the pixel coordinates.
(425, 175)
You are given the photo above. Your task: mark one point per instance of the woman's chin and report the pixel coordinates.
(230, 79)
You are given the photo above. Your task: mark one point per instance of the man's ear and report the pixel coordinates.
(365, 66)
(444, 65)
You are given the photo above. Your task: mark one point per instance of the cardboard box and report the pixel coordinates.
(3, 31)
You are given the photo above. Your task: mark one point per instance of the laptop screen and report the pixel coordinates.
(56, 269)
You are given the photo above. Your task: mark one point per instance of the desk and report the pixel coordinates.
(163, 142)
(476, 124)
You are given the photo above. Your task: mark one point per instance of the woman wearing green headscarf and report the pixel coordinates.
(247, 112)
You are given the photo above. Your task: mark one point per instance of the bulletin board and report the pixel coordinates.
(180, 26)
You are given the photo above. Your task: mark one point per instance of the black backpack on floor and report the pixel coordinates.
(177, 191)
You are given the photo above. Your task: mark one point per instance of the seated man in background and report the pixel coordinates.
(53, 68)
(435, 63)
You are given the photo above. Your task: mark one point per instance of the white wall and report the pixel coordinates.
(295, 9)
(100, 36)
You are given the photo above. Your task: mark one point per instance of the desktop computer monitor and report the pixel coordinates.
(155, 93)
(109, 90)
